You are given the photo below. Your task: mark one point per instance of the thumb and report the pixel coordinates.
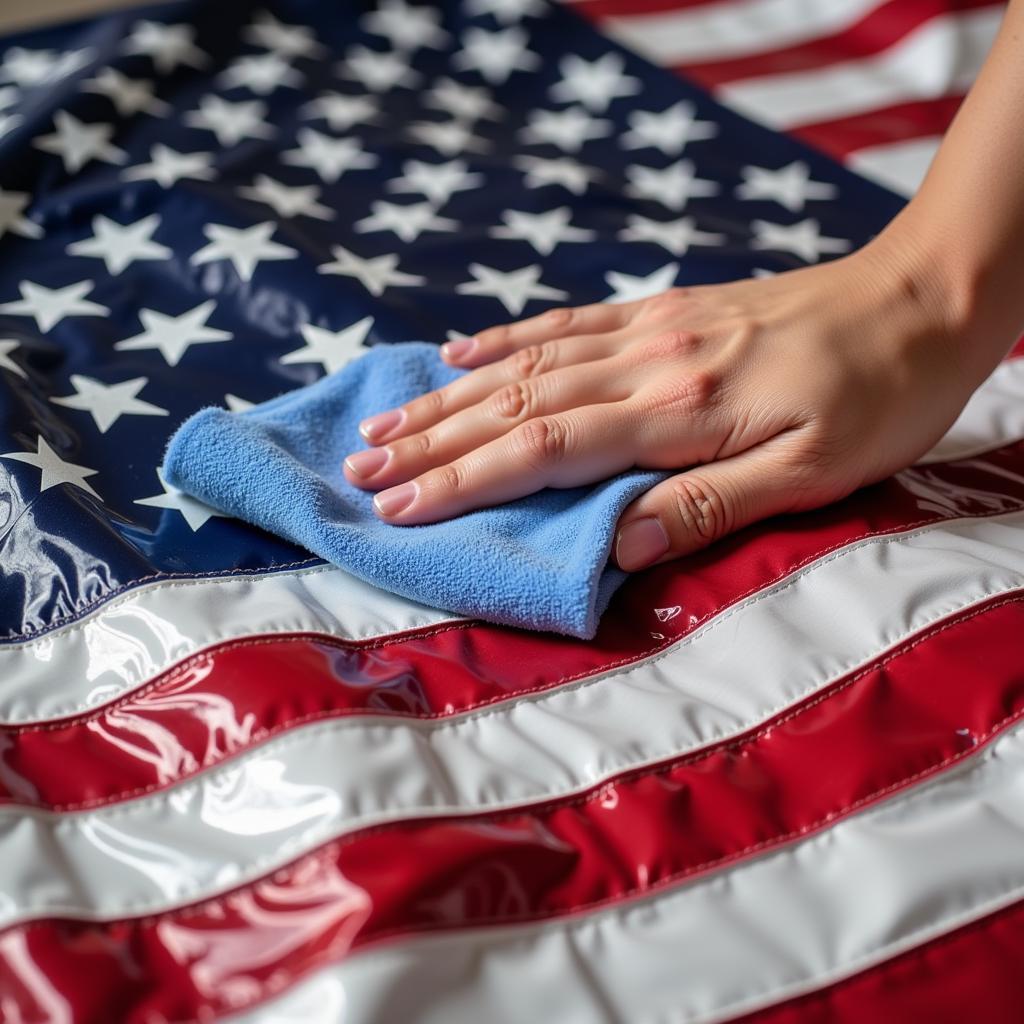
(694, 509)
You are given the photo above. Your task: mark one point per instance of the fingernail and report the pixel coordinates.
(640, 543)
(458, 349)
(367, 463)
(394, 499)
(377, 426)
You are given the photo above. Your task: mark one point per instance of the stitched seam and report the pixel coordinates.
(263, 733)
(291, 737)
(332, 850)
(330, 847)
(796, 572)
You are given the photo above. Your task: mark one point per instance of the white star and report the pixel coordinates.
(627, 288)
(9, 97)
(261, 73)
(106, 403)
(167, 166)
(28, 68)
(448, 137)
(760, 272)
(495, 55)
(173, 335)
(408, 222)
(542, 230)
(129, 95)
(512, 288)
(244, 247)
(379, 72)
(466, 102)
(8, 122)
(287, 200)
(505, 11)
(53, 469)
(568, 129)
(790, 186)
(288, 40)
(168, 45)
(669, 130)
(375, 274)
(332, 349)
(563, 171)
(236, 404)
(231, 122)
(341, 112)
(7, 346)
(675, 235)
(121, 245)
(194, 511)
(438, 182)
(594, 83)
(671, 186)
(76, 142)
(407, 27)
(12, 206)
(804, 239)
(50, 305)
(330, 158)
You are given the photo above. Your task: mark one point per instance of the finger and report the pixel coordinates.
(504, 339)
(567, 450)
(558, 391)
(694, 509)
(526, 363)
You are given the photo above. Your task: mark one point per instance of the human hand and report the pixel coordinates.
(781, 394)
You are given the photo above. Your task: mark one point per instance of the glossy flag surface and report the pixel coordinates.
(785, 780)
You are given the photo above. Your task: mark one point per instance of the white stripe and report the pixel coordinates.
(992, 418)
(243, 819)
(871, 887)
(733, 28)
(128, 640)
(942, 57)
(900, 166)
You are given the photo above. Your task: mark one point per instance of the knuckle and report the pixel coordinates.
(703, 513)
(421, 445)
(543, 441)
(530, 361)
(514, 401)
(432, 405)
(673, 344)
(558, 319)
(495, 337)
(686, 393)
(666, 302)
(448, 479)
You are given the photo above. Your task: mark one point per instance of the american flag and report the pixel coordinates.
(785, 782)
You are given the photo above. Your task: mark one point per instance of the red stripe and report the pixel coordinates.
(919, 710)
(879, 29)
(972, 974)
(899, 123)
(232, 696)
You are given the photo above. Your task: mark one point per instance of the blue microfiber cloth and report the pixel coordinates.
(538, 562)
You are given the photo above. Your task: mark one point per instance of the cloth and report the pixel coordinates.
(540, 562)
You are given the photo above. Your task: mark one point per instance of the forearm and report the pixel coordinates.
(962, 235)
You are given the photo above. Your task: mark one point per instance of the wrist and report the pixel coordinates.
(956, 295)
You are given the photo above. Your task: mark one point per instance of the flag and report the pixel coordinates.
(784, 780)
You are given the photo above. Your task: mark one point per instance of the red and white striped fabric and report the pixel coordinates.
(785, 785)
(873, 83)
(768, 787)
